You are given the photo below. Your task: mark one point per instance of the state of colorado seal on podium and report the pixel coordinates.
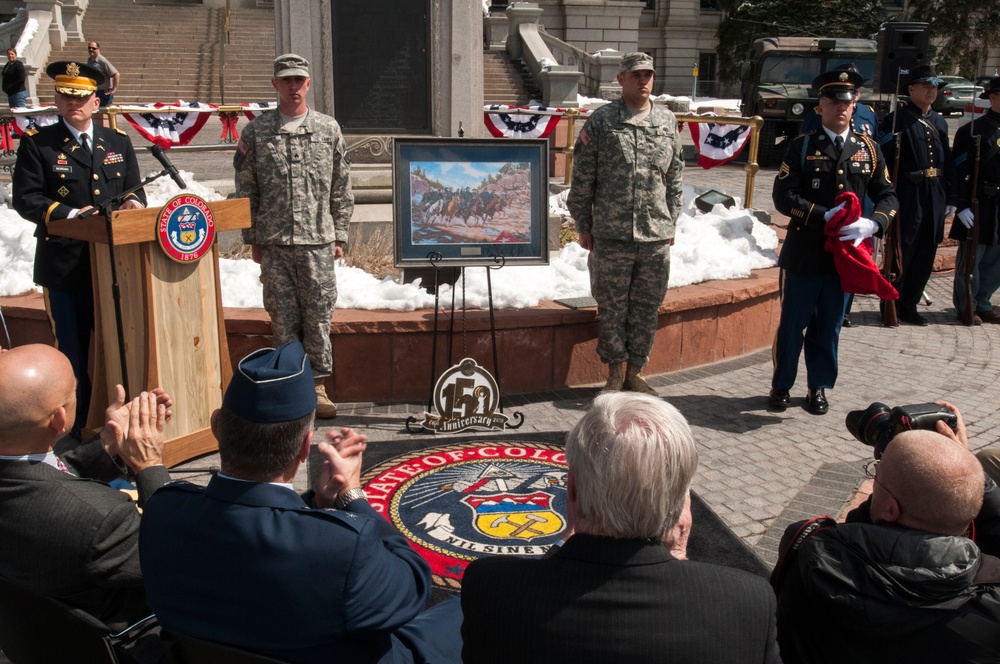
(186, 228)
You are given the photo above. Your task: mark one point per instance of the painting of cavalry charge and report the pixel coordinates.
(470, 202)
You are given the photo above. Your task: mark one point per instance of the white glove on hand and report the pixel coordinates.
(858, 231)
(832, 211)
(965, 216)
(949, 210)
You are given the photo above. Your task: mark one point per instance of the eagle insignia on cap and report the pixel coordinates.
(843, 76)
(73, 69)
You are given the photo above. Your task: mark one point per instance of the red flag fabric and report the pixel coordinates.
(858, 272)
(512, 124)
(718, 143)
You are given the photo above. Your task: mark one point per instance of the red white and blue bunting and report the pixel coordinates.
(168, 125)
(718, 143)
(30, 118)
(505, 121)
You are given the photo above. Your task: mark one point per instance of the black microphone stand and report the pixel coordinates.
(106, 207)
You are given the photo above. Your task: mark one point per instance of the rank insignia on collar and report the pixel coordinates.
(74, 148)
(62, 191)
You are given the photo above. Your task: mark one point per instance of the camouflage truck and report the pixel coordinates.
(777, 80)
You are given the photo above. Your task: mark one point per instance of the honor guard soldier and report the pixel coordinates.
(62, 170)
(819, 166)
(924, 184)
(986, 274)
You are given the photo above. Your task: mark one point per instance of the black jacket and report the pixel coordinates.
(988, 187)
(859, 593)
(13, 77)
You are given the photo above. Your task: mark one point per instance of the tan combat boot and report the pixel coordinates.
(325, 409)
(615, 378)
(634, 382)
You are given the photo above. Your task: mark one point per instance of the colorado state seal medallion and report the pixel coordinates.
(459, 502)
(186, 228)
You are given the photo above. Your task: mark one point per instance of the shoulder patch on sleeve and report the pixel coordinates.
(584, 137)
(784, 172)
(241, 153)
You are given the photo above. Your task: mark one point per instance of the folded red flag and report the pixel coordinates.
(858, 272)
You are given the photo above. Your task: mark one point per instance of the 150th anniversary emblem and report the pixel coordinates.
(466, 397)
(460, 502)
(186, 228)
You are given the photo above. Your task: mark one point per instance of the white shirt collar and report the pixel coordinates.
(46, 458)
(76, 133)
(833, 136)
(287, 485)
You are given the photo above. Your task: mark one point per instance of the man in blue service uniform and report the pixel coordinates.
(62, 170)
(986, 273)
(247, 561)
(924, 185)
(817, 167)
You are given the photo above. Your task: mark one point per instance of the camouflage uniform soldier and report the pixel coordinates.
(626, 196)
(293, 166)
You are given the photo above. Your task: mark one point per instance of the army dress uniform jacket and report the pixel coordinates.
(627, 175)
(52, 177)
(925, 180)
(811, 177)
(298, 183)
(988, 189)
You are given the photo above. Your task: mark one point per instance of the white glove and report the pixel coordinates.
(832, 211)
(949, 210)
(965, 216)
(858, 231)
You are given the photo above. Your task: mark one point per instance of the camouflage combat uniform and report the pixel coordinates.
(627, 192)
(299, 188)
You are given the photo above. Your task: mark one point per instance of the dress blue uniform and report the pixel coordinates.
(812, 175)
(53, 176)
(925, 187)
(986, 275)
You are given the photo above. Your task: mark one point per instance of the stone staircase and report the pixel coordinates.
(506, 81)
(166, 53)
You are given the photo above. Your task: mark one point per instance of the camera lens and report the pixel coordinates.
(867, 425)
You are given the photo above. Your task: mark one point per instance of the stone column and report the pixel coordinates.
(304, 27)
(518, 13)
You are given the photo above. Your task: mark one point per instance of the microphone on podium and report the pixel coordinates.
(161, 156)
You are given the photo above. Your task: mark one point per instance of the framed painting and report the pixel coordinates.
(464, 202)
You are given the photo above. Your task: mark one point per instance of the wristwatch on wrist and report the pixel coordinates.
(349, 496)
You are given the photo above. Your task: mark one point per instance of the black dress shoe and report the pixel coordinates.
(779, 398)
(847, 322)
(816, 402)
(912, 318)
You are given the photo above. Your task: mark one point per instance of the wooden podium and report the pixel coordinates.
(175, 334)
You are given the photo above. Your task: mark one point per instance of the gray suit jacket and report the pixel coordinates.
(74, 539)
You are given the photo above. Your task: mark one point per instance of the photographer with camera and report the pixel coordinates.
(900, 580)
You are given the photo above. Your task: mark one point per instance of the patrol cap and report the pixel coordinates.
(840, 84)
(636, 62)
(993, 87)
(290, 64)
(925, 74)
(272, 385)
(75, 79)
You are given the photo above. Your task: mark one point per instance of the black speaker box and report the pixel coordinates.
(900, 46)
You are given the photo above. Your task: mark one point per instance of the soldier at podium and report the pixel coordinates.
(62, 170)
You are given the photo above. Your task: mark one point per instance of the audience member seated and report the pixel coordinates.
(65, 536)
(900, 582)
(614, 592)
(248, 562)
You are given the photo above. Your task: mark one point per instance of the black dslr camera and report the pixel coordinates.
(878, 424)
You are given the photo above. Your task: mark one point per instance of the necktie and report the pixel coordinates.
(840, 144)
(85, 143)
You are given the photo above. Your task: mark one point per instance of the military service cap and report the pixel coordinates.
(75, 79)
(272, 385)
(841, 84)
(290, 64)
(636, 62)
(993, 87)
(925, 74)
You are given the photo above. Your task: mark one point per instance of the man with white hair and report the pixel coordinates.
(619, 589)
(908, 586)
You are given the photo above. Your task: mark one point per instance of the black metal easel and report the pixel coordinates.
(435, 258)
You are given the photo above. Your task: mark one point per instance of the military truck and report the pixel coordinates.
(777, 81)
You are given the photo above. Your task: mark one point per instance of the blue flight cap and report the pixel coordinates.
(272, 385)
